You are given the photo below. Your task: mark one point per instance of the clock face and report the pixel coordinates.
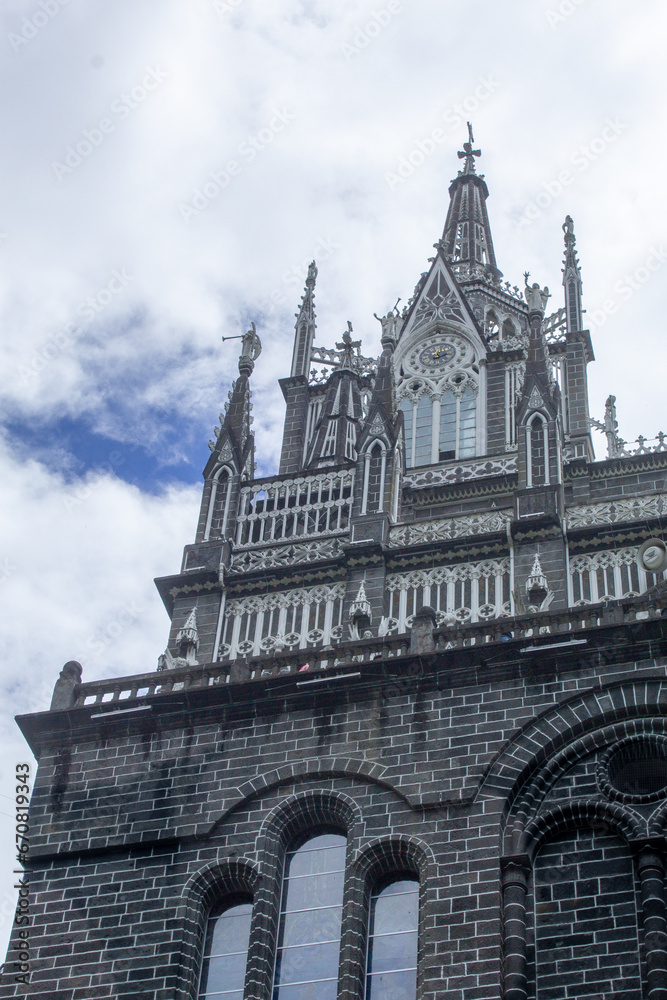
(437, 355)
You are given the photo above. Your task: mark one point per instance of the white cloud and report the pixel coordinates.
(77, 561)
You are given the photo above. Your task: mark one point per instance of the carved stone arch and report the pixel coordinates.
(609, 816)
(527, 802)
(371, 443)
(308, 809)
(386, 855)
(204, 888)
(643, 697)
(290, 774)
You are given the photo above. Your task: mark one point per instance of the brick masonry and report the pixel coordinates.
(138, 828)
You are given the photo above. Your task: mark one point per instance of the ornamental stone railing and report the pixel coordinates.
(460, 472)
(302, 507)
(523, 634)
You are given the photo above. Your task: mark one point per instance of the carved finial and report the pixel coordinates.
(360, 615)
(468, 153)
(538, 591)
(312, 274)
(187, 638)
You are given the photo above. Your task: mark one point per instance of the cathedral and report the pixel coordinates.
(419, 672)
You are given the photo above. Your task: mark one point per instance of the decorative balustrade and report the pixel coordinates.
(567, 627)
(303, 507)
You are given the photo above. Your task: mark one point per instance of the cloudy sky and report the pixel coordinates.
(169, 168)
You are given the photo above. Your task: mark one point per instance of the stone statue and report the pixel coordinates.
(536, 297)
(251, 344)
(389, 325)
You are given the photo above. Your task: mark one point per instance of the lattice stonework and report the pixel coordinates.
(629, 509)
(295, 508)
(609, 575)
(294, 619)
(465, 593)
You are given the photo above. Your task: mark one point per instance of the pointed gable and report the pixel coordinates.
(439, 300)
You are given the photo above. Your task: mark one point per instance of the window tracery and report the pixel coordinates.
(438, 394)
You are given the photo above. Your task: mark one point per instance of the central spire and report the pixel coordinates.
(467, 241)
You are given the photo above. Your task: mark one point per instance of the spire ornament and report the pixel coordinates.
(468, 153)
(347, 347)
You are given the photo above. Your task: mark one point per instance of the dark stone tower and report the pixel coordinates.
(408, 739)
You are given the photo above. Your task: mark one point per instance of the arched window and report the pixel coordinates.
(374, 479)
(391, 969)
(447, 448)
(407, 406)
(310, 919)
(422, 432)
(509, 330)
(491, 325)
(537, 451)
(226, 952)
(467, 423)
(218, 506)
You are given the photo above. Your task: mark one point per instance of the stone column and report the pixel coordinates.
(515, 875)
(651, 868)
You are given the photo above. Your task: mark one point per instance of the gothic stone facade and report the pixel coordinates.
(432, 645)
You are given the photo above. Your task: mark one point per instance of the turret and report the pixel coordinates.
(334, 441)
(233, 451)
(578, 353)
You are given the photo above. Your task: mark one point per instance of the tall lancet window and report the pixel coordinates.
(310, 920)
(391, 970)
(537, 451)
(218, 507)
(226, 953)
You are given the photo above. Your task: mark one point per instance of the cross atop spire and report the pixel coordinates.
(468, 153)
(347, 347)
